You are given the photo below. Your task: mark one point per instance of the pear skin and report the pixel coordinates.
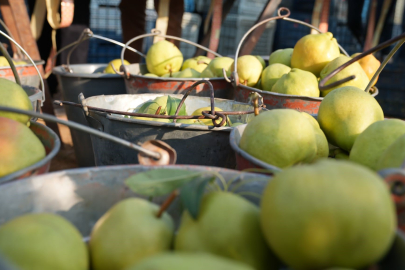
(187, 73)
(322, 146)
(281, 56)
(116, 63)
(214, 68)
(272, 74)
(150, 75)
(297, 82)
(198, 63)
(393, 156)
(249, 70)
(163, 57)
(261, 61)
(370, 64)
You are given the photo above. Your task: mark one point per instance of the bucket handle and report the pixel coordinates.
(162, 153)
(157, 33)
(33, 63)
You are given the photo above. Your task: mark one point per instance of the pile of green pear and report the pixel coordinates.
(307, 219)
(19, 146)
(297, 71)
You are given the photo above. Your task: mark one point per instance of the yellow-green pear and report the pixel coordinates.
(4, 62)
(280, 137)
(374, 140)
(393, 156)
(198, 63)
(163, 57)
(117, 64)
(13, 95)
(207, 122)
(281, 56)
(249, 70)
(360, 81)
(188, 261)
(342, 155)
(170, 75)
(272, 74)
(339, 154)
(327, 214)
(150, 75)
(19, 147)
(187, 73)
(261, 61)
(227, 225)
(259, 84)
(345, 113)
(214, 68)
(297, 82)
(313, 52)
(322, 146)
(43, 241)
(129, 232)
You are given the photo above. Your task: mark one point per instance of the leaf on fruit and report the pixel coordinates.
(172, 104)
(192, 193)
(159, 182)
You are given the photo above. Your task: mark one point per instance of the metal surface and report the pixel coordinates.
(35, 95)
(136, 83)
(51, 143)
(244, 160)
(89, 80)
(194, 144)
(27, 73)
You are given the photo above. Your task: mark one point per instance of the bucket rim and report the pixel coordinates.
(37, 63)
(47, 159)
(60, 71)
(169, 79)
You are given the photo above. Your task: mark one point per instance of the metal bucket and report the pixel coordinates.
(136, 83)
(89, 80)
(194, 144)
(28, 74)
(35, 96)
(51, 143)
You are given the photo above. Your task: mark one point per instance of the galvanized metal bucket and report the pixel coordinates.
(51, 143)
(89, 80)
(194, 144)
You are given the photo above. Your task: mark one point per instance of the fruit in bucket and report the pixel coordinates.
(117, 64)
(249, 70)
(187, 73)
(360, 81)
(163, 57)
(150, 75)
(214, 68)
(328, 214)
(227, 225)
(198, 63)
(188, 261)
(13, 95)
(313, 52)
(374, 140)
(322, 146)
(345, 113)
(43, 241)
(170, 75)
(272, 74)
(297, 82)
(370, 64)
(129, 232)
(207, 122)
(261, 60)
(280, 137)
(19, 147)
(281, 56)
(393, 156)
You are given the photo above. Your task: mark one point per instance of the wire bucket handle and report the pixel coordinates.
(157, 33)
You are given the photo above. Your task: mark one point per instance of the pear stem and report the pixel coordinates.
(167, 203)
(158, 110)
(201, 62)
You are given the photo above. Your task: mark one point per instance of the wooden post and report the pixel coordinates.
(17, 20)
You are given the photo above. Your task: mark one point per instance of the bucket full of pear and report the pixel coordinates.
(137, 217)
(292, 76)
(167, 72)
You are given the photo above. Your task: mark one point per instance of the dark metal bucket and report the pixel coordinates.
(89, 80)
(136, 83)
(51, 143)
(194, 144)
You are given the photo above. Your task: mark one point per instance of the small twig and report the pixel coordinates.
(167, 203)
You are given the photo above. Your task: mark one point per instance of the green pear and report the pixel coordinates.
(360, 81)
(214, 68)
(374, 140)
(117, 64)
(227, 225)
(188, 261)
(272, 74)
(129, 232)
(340, 154)
(13, 95)
(322, 146)
(258, 84)
(281, 137)
(187, 73)
(170, 75)
(329, 213)
(150, 75)
(163, 57)
(249, 70)
(297, 82)
(261, 61)
(313, 52)
(43, 241)
(345, 113)
(198, 63)
(19, 147)
(150, 107)
(393, 156)
(237, 124)
(281, 56)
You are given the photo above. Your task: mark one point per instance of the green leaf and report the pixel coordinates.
(145, 106)
(172, 104)
(158, 182)
(192, 193)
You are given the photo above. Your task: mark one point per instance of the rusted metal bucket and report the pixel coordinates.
(28, 74)
(51, 143)
(194, 144)
(89, 80)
